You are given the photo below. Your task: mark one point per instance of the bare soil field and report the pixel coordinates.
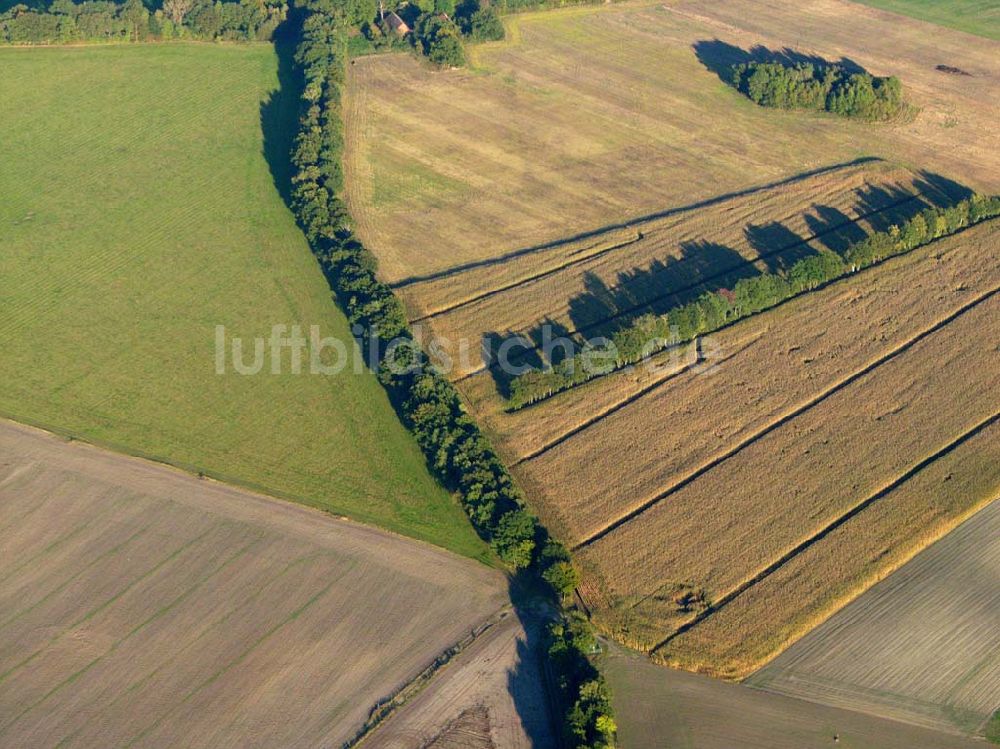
(144, 607)
(720, 526)
(597, 116)
(922, 646)
(492, 695)
(670, 260)
(659, 707)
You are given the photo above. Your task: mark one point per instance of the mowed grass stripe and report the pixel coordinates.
(784, 419)
(831, 527)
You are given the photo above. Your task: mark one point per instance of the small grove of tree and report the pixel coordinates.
(713, 310)
(828, 87)
(65, 21)
(454, 447)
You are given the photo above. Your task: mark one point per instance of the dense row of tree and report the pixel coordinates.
(95, 20)
(428, 404)
(715, 309)
(809, 86)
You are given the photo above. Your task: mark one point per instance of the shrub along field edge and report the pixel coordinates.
(428, 404)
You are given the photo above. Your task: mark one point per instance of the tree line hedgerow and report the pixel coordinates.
(806, 85)
(65, 21)
(455, 449)
(715, 309)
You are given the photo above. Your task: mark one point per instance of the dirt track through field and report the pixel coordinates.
(144, 606)
(499, 676)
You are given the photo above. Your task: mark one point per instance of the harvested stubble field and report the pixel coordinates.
(671, 260)
(822, 418)
(621, 437)
(922, 646)
(754, 625)
(140, 211)
(591, 455)
(658, 708)
(596, 116)
(719, 526)
(142, 606)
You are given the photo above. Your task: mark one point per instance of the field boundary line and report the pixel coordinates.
(643, 391)
(636, 236)
(556, 243)
(830, 527)
(785, 418)
(863, 585)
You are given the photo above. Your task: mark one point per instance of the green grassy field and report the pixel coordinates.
(981, 17)
(139, 212)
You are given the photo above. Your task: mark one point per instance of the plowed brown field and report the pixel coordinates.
(140, 606)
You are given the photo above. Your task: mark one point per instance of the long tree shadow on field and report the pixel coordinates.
(719, 57)
(602, 309)
(530, 683)
(834, 229)
(940, 191)
(778, 247)
(279, 113)
(698, 267)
